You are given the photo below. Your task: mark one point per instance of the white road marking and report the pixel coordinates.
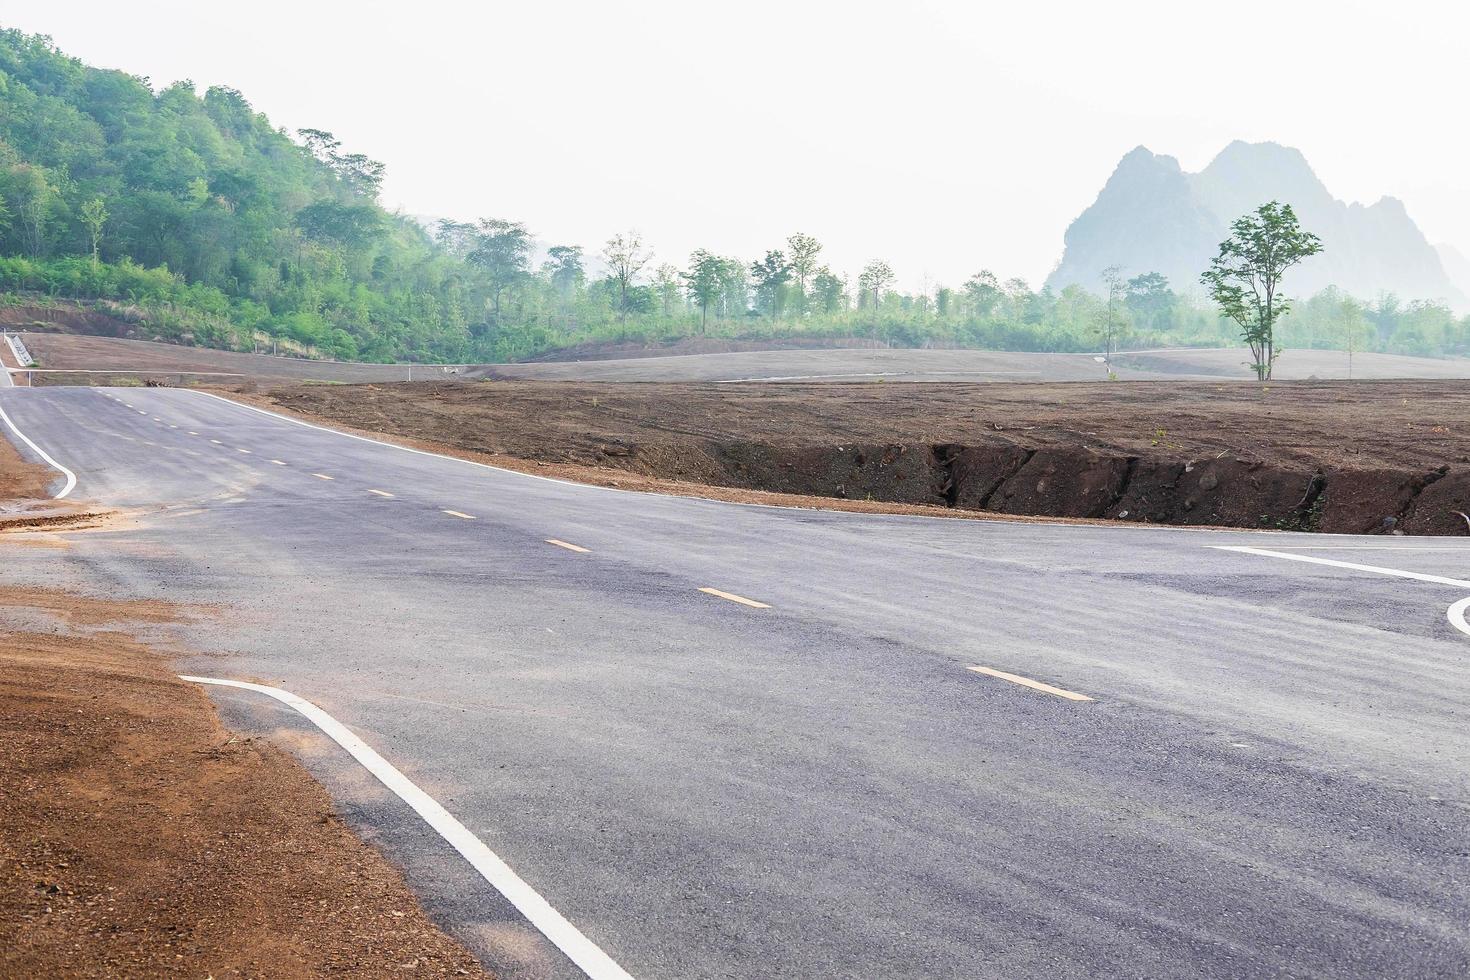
(570, 547)
(736, 598)
(1028, 682)
(455, 513)
(216, 442)
(193, 433)
(323, 476)
(1456, 615)
(1334, 563)
(245, 451)
(1464, 550)
(71, 478)
(279, 462)
(382, 493)
(552, 924)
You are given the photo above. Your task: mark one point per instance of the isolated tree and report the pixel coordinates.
(625, 257)
(1112, 277)
(803, 250)
(875, 279)
(771, 275)
(1244, 280)
(1353, 325)
(502, 252)
(94, 217)
(704, 281)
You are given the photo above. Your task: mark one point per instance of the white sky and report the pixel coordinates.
(942, 137)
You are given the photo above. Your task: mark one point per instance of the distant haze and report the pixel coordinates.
(943, 138)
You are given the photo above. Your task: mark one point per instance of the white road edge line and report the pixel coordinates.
(71, 478)
(579, 949)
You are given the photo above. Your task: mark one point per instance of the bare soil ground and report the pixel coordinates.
(137, 837)
(20, 479)
(1373, 457)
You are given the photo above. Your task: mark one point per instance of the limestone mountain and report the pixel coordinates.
(1151, 216)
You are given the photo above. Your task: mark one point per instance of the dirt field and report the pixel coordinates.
(138, 838)
(86, 358)
(1363, 457)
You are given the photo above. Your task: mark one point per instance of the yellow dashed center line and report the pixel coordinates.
(570, 547)
(1028, 682)
(736, 598)
(382, 493)
(323, 476)
(455, 513)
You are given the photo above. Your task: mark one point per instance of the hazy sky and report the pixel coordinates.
(942, 137)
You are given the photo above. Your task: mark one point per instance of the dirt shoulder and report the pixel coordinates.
(20, 479)
(1360, 457)
(139, 838)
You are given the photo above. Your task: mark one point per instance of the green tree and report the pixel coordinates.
(803, 250)
(625, 257)
(875, 280)
(666, 282)
(1151, 300)
(704, 281)
(94, 217)
(502, 252)
(1244, 280)
(1112, 278)
(983, 292)
(829, 290)
(1352, 326)
(563, 267)
(32, 197)
(771, 275)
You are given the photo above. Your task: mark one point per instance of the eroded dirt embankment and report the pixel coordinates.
(1364, 457)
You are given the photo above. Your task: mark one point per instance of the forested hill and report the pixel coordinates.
(262, 233)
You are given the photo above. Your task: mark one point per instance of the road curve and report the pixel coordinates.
(728, 740)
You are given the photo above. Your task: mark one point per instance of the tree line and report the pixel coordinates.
(196, 218)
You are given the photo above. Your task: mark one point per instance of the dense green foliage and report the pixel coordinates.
(195, 218)
(1245, 278)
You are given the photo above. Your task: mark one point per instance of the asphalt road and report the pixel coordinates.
(1272, 778)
